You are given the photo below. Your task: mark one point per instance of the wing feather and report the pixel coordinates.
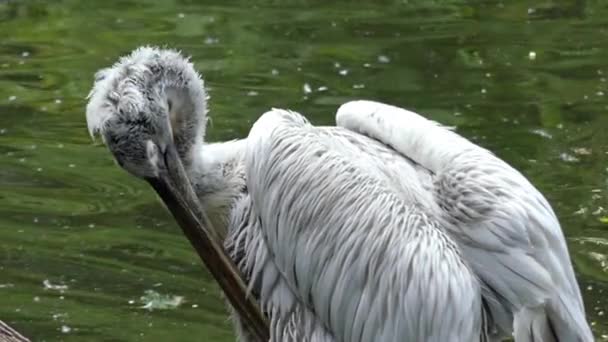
(370, 265)
(507, 230)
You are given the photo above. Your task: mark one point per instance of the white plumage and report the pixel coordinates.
(388, 227)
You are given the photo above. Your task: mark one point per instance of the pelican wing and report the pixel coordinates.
(506, 229)
(368, 263)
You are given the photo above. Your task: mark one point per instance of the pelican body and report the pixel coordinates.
(386, 227)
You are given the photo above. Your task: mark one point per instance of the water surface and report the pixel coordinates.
(81, 242)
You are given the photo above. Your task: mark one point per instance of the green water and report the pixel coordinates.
(526, 79)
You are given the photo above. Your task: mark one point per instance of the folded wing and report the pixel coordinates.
(506, 229)
(364, 258)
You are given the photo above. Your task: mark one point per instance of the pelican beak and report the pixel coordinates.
(174, 188)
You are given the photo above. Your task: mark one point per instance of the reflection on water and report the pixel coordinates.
(81, 242)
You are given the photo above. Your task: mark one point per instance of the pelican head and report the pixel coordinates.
(147, 103)
(150, 109)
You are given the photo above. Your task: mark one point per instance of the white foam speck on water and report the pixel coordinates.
(306, 88)
(211, 40)
(568, 158)
(541, 132)
(383, 59)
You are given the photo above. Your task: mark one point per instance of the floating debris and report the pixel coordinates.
(65, 329)
(581, 211)
(153, 300)
(322, 88)
(531, 55)
(358, 86)
(252, 93)
(582, 151)
(50, 286)
(343, 72)
(12, 98)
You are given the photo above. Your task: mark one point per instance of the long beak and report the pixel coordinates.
(175, 189)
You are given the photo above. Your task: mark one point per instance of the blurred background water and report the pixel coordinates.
(87, 253)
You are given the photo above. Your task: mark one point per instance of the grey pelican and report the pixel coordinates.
(386, 227)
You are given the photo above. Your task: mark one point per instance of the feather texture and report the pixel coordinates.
(506, 229)
(389, 227)
(370, 265)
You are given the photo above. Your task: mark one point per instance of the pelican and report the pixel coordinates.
(385, 227)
